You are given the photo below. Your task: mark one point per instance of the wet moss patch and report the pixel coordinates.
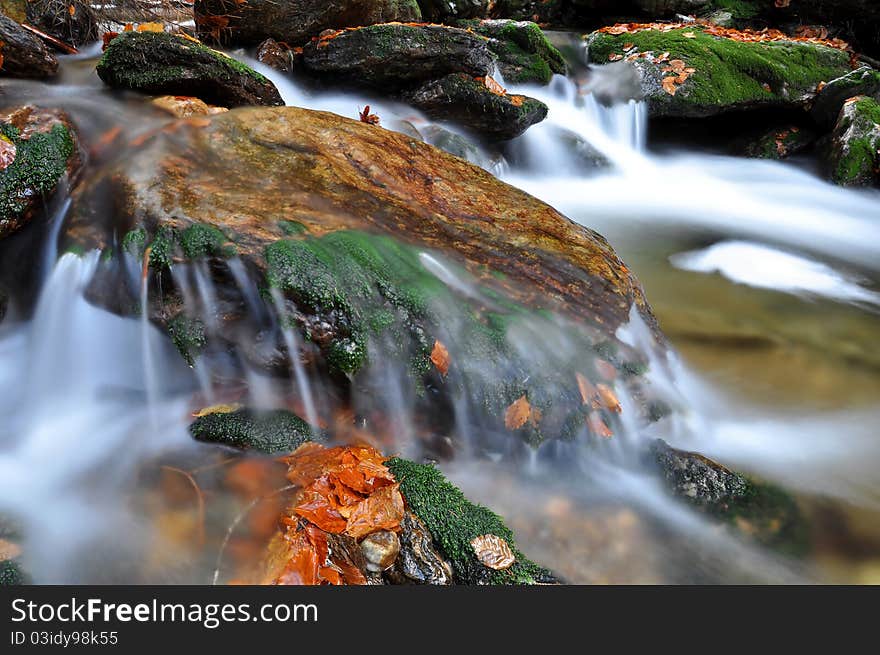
(454, 522)
(271, 432)
(524, 54)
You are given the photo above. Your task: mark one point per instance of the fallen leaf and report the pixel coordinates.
(669, 85)
(614, 57)
(218, 409)
(493, 552)
(609, 399)
(689, 35)
(587, 390)
(315, 505)
(383, 510)
(7, 152)
(597, 426)
(366, 117)
(493, 85)
(517, 413)
(440, 357)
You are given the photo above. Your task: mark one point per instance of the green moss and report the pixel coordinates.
(135, 242)
(857, 155)
(40, 161)
(202, 240)
(11, 574)
(869, 108)
(741, 9)
(731, 73)
(454, 522)
(162, 247)
(188, 336)
(271, 432)
(524, 54)
(292, 228)
(197, 241)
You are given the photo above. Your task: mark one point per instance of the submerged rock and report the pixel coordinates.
(22, 54)
(758, 510)
(391, 57)
(373, 246)
(780, 142)
(418, 561)
(165, 64)
(855, 144)
(70, 21)
(269, 432)
(247, 23)
(469, 101)
(275, 55)
(704, 75)
(39, 148)
(524, 55)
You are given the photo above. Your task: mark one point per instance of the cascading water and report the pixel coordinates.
(92, 412)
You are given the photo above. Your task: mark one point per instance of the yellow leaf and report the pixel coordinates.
(218, 409)
(609, 400)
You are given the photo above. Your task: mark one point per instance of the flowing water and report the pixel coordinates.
(765, 279)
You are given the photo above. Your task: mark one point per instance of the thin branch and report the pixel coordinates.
(69, 49)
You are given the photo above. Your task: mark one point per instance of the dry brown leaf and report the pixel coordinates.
(383, 510)
(598, 427)
(440, 357)
(218, 409)
(493, 552)
(491, 84)
(7, 151)
(517, 413)
(586, 388)
(669, 85)
(608, 398)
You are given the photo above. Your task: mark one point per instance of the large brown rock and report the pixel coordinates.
(292, 21)
(22, 54)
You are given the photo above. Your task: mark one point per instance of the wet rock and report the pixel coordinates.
(380, 549)
(165, 64)
(718, 75)
(22, 54)
(864, 81)
(40, 149)
(394, 56)
(487, 112)
(70, 21)
(755, 509)
(354, 228)
(854, 158)
(247, 23)
(444, 11)
(270, 432)
(11, 574)
(524, 55)
(186, 106)
(275, 55)
(419, 562)
(780, 142)
(454, 522)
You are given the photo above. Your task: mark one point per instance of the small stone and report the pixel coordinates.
(380, 550)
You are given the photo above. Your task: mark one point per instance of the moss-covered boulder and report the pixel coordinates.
(393, 56)
(864, 81)
(704, 75)
(454, 522)
(487, 111)
(39, 148)
(523, 53)
(269, 431)
(369, 248)
(165, 64)
(70, 21)
(780, 142)
(11, 574)
(855, 144)
(444, 11)
(231, 22)
(756, 509)
(22, 54)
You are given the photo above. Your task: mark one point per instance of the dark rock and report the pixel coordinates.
(780, 142)
(391, 57)
(855, 144)
(275, 55)
(720, 75)
(70, 21)
(826, 107)
(43, 146)
(22, 54)
(468, 101)
(697, 478)
(524, 55)
(419, 562)
(292, 21)
(270, 432)
(165, 64)
(443, 11)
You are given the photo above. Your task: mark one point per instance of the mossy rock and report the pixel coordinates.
(469, 102)
(855, 151)
(11, 574)
(270, 431)
(524, 55)
(444, 11)
(188, 336)
(728, 75)
(22, 54)
(164, 64)
(864, 81)
(780, 142)
(394, 56)
(45, 150)
(454, 522)
(756, 509)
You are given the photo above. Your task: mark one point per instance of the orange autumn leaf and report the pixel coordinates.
(669, 85)
(302, 564)
(493, 86)
(383, 510)
(586, 388)
(598, 427)
(517, 413)
(608, 398)
(440, 357)
(315, 505)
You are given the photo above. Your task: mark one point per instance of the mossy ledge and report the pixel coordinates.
(196, 241)
(271, 432)
(165, 64)
(525, 55)
(454, 522)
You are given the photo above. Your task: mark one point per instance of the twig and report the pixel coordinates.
(69, 49)
(873, 63)
(200, 499)
(235, 523)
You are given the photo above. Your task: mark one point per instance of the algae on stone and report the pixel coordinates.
(270, 431)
